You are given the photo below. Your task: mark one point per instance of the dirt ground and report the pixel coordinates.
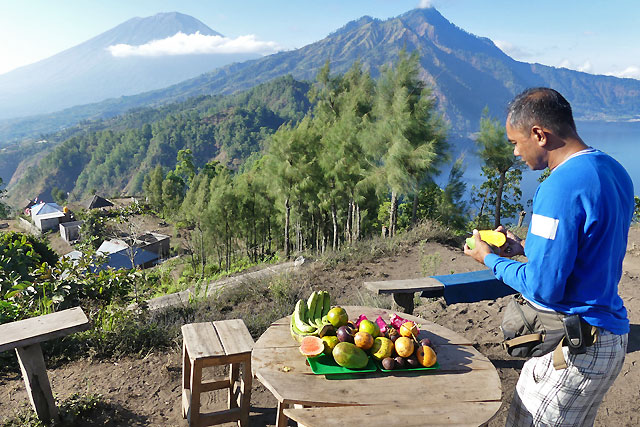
(146, 392)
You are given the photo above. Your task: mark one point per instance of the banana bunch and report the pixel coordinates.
(310, 317)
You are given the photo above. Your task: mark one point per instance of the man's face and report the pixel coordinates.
(526, 145)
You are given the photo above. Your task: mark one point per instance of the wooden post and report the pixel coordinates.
(36, 381)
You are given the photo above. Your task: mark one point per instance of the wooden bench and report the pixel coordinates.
(224, 342)
(25, 336)
(461, 287)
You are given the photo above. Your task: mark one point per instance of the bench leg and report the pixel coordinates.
(405, 301)
(36, 381)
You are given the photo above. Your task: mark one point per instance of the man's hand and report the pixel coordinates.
(481, 249)
(513, 246)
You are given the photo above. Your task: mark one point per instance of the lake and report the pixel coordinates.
(620, 140)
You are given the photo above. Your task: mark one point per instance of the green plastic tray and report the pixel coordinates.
(422, 368)
(325, 365)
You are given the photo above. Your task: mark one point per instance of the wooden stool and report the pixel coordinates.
(225, 342)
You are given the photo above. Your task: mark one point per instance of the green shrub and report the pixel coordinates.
(74, 411)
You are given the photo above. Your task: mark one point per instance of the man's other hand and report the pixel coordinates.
(513, 246)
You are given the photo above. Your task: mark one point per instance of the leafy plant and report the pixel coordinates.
(72, 410)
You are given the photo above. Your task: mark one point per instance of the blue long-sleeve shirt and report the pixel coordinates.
(576, 242)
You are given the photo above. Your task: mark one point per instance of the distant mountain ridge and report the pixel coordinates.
(467, 73)
(88, 72)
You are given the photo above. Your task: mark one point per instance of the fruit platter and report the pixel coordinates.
(335, 344)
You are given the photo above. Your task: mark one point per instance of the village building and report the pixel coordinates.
(97, 202)
(70, 231)
(47, 216)
(120, 255)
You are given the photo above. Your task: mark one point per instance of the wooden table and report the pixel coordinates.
(465, 390)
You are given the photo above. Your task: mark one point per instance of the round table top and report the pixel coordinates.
(466, 389)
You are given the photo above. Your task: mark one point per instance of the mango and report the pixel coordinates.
(493, 238)
(349, 356)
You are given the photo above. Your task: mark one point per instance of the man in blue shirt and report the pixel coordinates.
(575, 245)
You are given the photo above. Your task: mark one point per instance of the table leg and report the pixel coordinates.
(36, 381)
(404, 300)
(282, 420)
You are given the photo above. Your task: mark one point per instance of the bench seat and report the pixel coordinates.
(473, 286)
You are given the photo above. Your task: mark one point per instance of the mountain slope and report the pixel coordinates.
(88, 72)
(467, 73)
(113, 156)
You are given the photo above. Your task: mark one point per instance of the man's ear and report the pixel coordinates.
(539, 135)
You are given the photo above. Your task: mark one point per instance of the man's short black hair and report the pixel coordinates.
(544, 107)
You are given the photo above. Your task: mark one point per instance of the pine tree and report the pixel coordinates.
(497, 153)
(408, 139)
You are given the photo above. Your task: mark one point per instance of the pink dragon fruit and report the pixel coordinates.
(382, 325)
(397, 321)
(360, 319)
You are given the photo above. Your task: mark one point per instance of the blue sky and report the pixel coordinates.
(595, 36)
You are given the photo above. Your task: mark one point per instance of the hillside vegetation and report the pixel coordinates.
(112, 156)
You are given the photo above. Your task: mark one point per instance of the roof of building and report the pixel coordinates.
(121, 259)
(119, 255)
(112, 246)
(74, 255)
(46, 208)
(96, 202)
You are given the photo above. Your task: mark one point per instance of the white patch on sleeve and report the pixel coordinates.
(544, 226)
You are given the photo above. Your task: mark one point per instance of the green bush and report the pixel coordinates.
(73, 410)
(34, 282)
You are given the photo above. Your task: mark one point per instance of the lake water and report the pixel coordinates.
(620, 140)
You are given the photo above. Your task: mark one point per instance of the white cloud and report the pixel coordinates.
(185, 44)
(631, 72)
(424, 4)
(585, 68)
(565, 63)
(510, 49)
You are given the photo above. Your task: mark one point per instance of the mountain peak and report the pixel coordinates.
(428, 22)
(136, 31)
(356, 23)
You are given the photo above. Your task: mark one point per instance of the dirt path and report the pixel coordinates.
(147, 391)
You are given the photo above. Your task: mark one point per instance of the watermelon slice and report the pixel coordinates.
(311, 346)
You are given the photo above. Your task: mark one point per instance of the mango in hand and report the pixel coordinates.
(493, 238)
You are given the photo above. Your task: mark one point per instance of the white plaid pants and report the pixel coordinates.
(545, 396)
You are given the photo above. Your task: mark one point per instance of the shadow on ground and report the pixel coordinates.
(634, 338)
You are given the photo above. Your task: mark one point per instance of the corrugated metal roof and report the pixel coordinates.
(112, 246)
(45, 208)
(121, 259)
